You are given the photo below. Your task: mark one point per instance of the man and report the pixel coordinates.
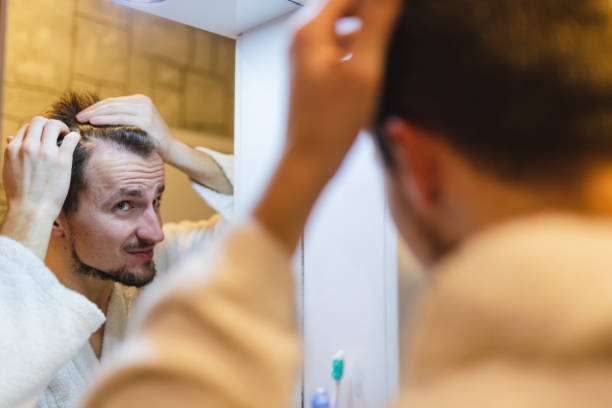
(495, 132)
(107, 240)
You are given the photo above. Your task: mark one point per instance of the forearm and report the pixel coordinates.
(198, 166)
(31, 228)
(299, 179)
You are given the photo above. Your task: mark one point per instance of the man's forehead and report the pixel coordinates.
(111, 168)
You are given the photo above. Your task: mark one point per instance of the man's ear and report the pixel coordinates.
(59, 226)
(415, 162)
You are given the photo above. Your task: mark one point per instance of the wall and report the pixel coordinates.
(347, 269)
(3, 4)
(55, 45)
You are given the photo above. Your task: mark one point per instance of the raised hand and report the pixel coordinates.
(135, 110)
(36, 175)
(336, 79)
(335, 86)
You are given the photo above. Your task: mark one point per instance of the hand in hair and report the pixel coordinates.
(135, 110)
(36, 176)
(336, 77)
(335, 81)
(139, 111)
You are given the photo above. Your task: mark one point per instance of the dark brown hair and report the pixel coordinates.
(128, 138)
(522, 87)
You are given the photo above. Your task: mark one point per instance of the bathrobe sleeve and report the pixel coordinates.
(43, 325)
(182, 238)
(223, 334)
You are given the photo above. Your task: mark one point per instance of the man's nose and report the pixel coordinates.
(150, 228)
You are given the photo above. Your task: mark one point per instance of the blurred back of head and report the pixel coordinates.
(521, 87)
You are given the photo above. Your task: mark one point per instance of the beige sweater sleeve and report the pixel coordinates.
(221, 333)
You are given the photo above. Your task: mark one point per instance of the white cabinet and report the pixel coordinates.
(229, 18)
(348, 267)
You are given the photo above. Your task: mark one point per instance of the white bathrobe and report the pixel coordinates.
(46, 327)
(519, 316)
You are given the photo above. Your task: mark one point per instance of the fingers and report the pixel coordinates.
(68, 145)
(51, 132)
(114, 105)
(18, 139)
(318, 18)
(117, 119)
(32, 139)
(112, 109)
(332, 10)
(40, 133)
(379, 19)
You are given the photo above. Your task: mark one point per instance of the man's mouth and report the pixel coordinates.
(145, 254)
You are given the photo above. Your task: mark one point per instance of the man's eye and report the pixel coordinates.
(123, 206)
(157, 202)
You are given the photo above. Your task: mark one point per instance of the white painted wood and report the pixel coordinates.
(350, 283)
(229, 18)
(261, 105)
(349, 259)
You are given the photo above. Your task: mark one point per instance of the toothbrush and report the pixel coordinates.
(337, 372)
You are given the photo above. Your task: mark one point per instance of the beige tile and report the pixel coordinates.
(226, 57)
(162, 38)
(108, 91)
(168, 103)
(168, 75)
(203, 52)
(104, 10)
(25, 103)
(101, 51)
(205, 101)
(39, 42)
(9, 128)
(141, 76)
(84, 85)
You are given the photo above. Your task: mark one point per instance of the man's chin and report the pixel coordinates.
(128, 276)
(135, 277)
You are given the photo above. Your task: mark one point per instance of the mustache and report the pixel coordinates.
(141, 244)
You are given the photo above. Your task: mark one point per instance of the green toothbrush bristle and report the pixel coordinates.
(337, 369)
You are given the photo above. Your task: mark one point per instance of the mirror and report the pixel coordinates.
(346, 289)
(112, 50)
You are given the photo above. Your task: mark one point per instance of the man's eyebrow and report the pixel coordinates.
(161, 189)
(126, 192)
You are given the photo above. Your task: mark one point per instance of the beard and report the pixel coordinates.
(121, 275)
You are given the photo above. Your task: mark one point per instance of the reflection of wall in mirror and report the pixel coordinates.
(2, 136)
(180, 201)
(112, 50)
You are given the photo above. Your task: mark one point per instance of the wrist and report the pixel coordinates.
(169, 151)
(31, 214)
(295, 186)
(32, 228)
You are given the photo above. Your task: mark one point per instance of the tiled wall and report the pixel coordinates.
(97, 45)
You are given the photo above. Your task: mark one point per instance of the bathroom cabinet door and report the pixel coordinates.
(346, 268)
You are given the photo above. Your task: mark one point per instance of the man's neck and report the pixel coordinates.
(93, 288)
